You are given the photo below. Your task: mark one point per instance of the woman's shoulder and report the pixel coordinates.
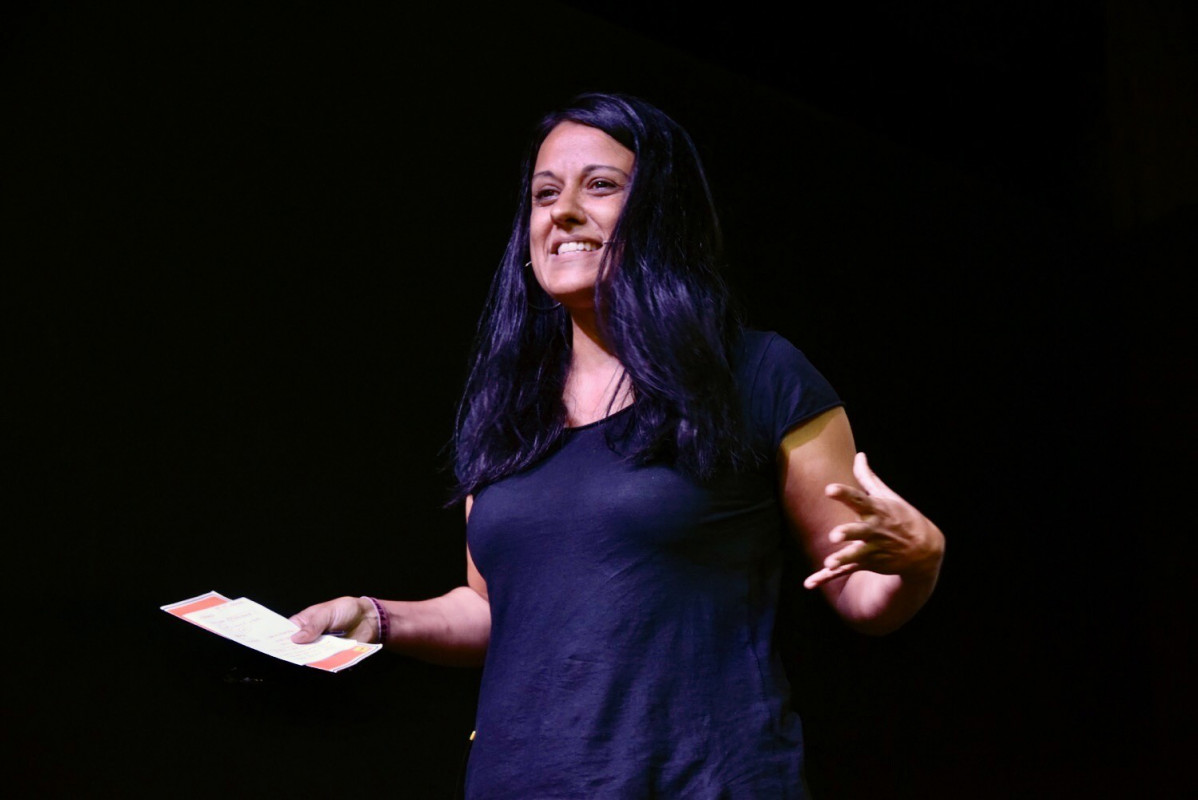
(753, 340)
(779, 386)
(758, 349)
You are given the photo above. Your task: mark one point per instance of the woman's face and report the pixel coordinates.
(579, 184)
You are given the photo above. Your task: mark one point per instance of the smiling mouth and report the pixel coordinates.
(577, 247)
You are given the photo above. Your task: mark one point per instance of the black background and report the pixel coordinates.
(246, 247)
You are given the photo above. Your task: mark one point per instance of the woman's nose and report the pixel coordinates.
(568, 210)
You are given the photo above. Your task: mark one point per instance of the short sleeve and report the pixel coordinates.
(780, 387)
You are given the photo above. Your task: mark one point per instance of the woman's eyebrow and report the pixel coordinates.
(588, 169)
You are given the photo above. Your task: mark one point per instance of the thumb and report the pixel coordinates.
(868, 480)
(309, 629)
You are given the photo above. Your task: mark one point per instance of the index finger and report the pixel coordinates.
(851, 496)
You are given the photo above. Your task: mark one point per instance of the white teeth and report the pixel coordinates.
(575, 247)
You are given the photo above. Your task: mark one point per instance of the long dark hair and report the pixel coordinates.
(661, 306)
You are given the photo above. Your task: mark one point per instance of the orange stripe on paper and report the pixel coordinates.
(199, 605)
(338, 659)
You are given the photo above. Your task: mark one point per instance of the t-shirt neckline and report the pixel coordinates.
(598, 422)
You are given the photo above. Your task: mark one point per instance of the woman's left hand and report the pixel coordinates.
(891, 537)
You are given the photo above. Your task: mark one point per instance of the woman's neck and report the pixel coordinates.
(596, 385)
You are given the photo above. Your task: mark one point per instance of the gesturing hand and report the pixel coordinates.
(352, 616)
(891, 536)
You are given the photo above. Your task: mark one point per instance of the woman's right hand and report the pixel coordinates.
(353, 617)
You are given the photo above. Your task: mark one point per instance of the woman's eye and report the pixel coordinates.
(603, 184)
(544, 195)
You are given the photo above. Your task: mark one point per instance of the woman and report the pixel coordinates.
(629, 459)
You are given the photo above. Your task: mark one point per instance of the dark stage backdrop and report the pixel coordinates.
(246, 247)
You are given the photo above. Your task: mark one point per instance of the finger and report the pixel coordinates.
(872, 483)
(852, 497)
(824, 575)
(305, 636)
(311, 627)
(850, 531)
(851, 553)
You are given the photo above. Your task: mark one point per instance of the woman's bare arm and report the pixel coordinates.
(877, 557)
(452, 629)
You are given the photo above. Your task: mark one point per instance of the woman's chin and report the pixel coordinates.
(572, 294)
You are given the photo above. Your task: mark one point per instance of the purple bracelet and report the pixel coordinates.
(384, 620)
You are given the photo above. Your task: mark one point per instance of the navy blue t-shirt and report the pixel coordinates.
(632, 615)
